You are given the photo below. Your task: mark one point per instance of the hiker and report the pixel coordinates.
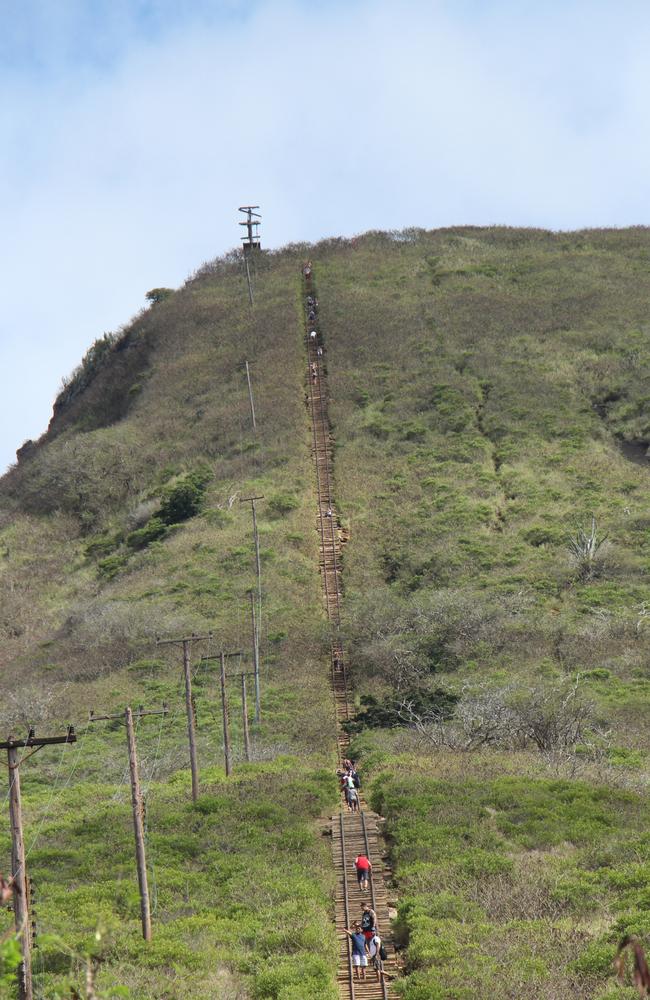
(313, 335)
(329, 512)
(359, 956)
(377, 954)
(312, 316)
(319, 351)
(355, 777)
(353, 800)
(350, 792)
(306, 269)
(310, 301)
(363, 869)
(368, 921)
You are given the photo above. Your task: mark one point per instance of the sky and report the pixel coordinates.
(131, 130)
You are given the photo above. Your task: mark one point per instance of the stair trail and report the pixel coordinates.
(352, 833)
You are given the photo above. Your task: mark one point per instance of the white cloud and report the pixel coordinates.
(127, 173)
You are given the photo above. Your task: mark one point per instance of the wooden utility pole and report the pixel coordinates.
(256, 661)
(248, 279)
(250, 395)
(224, 706)
(244, 709)
(189, 702)
(191, 720)
(251, 241)
(256, 619)
(137, 805)
(19, 879)
(224, 715)
(258, 565)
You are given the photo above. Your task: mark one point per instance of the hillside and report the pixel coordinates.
(489, 406)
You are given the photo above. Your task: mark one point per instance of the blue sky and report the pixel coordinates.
(123, 127)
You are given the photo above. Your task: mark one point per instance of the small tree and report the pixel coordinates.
(155, 295)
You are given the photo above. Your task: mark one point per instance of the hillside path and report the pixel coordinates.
(352, 833)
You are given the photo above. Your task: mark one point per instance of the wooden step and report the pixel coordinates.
(352, 833)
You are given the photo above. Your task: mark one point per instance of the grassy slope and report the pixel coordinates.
(479, 378)
(482, 381)
(243, 880)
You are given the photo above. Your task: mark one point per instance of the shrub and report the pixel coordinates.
(102, 545)
(388, 713)
(184, 498)
(283, 503)
(112, 565)
(154, 529)
(585, 548)
(155, 295)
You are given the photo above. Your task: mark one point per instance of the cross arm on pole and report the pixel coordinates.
(139, 714)
(187, 638)
(217, 656)
(34, 741)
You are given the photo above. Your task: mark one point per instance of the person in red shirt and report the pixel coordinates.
(363, 868)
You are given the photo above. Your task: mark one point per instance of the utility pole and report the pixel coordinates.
(258, 565)
(19, 880)
(250, 395)
(189, 701)
(256, 661)
(137, 805)
(251, 241)
(224, 706)
(244, 709)
(224, 715)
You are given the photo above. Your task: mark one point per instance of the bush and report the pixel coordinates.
(283, 503)
(154, 529)
(586, 550)
(388, 713)
(112, 565)
(184, 498)
(155, 295)
(102, 545)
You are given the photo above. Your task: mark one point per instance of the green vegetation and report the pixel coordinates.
(490, 415)
(116, 531)
(511, 882)
(222, 913)
(490, 395)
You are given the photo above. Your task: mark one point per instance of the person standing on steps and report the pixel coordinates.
(368, 922)
(359, 956)
(377, 955)
(364, 869)
(353, 800)
(343, 779)
(313, 335)
(348, 787)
